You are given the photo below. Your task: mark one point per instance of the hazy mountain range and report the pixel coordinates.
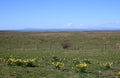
(61, 30)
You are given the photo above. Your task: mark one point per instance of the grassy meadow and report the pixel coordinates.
(59, 54)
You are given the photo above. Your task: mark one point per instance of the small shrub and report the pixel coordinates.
(65, 44)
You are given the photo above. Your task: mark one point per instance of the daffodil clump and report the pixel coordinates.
(58, 65)
(119, 74)
(108, 65)
(29, 62)
(21, 62)
(81, 67)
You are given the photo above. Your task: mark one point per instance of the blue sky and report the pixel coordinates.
(45, 14)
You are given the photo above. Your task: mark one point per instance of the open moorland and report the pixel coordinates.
(59, 54)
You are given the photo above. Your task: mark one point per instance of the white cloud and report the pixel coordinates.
(69, 24)
(82, 25)
(111, 25)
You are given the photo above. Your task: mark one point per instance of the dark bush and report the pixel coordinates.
(65, 44)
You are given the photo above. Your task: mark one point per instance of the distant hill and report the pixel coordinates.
(57, 30)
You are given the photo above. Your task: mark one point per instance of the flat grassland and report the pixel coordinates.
(95, 49)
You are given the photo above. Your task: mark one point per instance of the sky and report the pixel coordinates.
(49, 14)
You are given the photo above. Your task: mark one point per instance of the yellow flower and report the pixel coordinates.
(58, 65)
(53, 63)
(99, 72)
(119, 73)
(82, 65)
(108, 64)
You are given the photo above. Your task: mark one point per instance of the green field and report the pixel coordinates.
(92, 48)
